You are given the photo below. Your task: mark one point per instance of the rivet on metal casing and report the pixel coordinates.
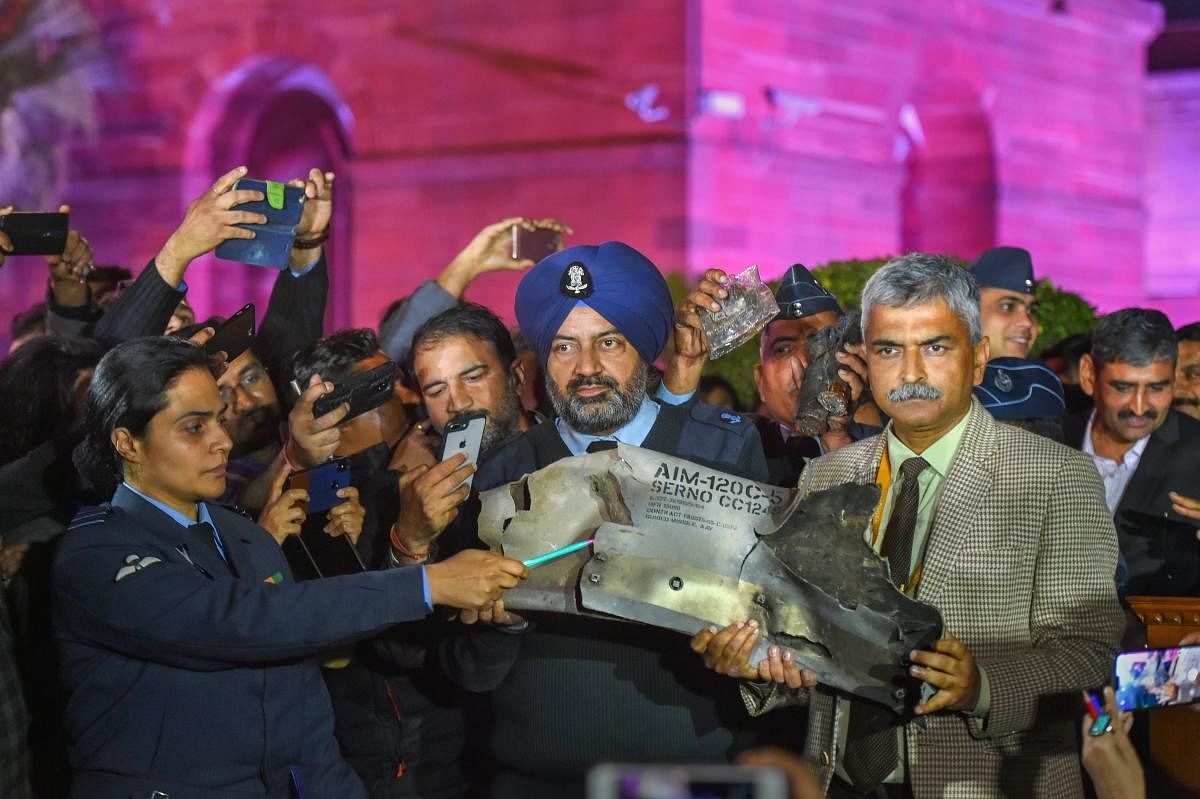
(899, 694)
(599, 556)
(595, 578)
(760, 599)
(676, 583)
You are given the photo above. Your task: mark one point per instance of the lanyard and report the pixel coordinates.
(884, 478)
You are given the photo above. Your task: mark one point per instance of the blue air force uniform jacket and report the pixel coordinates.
(191, 676)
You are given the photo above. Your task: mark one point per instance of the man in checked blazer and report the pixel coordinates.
(1010, 540)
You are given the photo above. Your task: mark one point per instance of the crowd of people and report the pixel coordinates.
(179, 619)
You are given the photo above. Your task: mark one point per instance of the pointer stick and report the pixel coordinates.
(558, 553)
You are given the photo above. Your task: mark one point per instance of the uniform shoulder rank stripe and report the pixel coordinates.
(274, 579)
(90, 517)
(133, 565)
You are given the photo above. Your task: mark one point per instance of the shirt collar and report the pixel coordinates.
(1133, 455)
(202, 514)
(634, 431)
(939, 455)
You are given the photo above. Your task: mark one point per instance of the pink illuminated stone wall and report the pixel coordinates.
(1173, 192)
(705, 132)
(871, 128)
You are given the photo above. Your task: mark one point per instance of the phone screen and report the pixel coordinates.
(1152, 678)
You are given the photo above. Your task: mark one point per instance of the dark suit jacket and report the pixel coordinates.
(1158, 545)
(294, 317)
(195, 678)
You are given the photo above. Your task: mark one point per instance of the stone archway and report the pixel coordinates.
(278, 116)
(948, 198)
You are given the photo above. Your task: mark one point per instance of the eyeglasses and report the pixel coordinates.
(248, 381)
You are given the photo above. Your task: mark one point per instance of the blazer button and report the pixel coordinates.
(825, 757)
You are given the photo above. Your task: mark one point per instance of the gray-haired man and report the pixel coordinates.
(1004, 531)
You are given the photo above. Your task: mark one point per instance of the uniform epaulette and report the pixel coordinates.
(89, 516)
(238, 509)
(721, 417)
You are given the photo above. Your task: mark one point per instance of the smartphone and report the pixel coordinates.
(322, 484)
(534, 244)
(271, 246)
(364, 392)
(35, 233)
(1149, 678)
(233, 337)
(616, 781)
(464, 433)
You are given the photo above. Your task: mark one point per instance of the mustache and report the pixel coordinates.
(1186, 402)
(1127, 414)
(582, 381)
(914, 391)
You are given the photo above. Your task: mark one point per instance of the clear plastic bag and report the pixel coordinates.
(749, 307)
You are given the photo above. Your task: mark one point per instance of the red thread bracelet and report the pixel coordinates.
(403, 550)
(288, 461)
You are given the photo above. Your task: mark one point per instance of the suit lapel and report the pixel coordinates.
(866, 466)
(1153, 467)
(969, 481)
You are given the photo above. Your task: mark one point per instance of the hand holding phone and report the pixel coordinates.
(430, 495)
(281, 207)
(322, 484)
(284, 513)
(330, 549)
(312, 439)
(1108, 755)
(211, 219)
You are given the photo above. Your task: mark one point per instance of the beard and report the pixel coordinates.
(254, 430)
(603, 413)
(503, 421)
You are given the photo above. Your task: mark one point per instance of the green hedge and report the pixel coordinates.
(1063, 313)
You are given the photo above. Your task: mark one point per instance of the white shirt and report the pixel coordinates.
(1116, 475)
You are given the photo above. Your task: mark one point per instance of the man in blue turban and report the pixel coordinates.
(597, 317)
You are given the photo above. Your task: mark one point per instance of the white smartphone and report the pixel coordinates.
(464, 433)
(647, 781)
